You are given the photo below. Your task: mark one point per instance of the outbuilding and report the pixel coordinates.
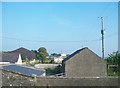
(12, 56)
(84, 63)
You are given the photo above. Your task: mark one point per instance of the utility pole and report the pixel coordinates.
(102, 32)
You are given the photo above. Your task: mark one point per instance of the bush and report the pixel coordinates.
(111, 73)
(54, 71)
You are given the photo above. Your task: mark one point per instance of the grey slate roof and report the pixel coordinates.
(76, 52)
(24, 53)
(9, 57)
(12, 56)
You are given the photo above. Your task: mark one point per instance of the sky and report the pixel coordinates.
(60, 27)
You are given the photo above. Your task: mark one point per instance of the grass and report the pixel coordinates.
(111, 73)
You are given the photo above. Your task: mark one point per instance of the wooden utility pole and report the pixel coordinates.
(102, 32)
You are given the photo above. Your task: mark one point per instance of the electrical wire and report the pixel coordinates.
(83, 41)
(11, 38)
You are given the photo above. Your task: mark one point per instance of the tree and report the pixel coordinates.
(42, 54)
(112, 59)
(35, 51)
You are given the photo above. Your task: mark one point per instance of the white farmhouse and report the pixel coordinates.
(59, 58)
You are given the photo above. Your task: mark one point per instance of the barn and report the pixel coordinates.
(12, 56)
(84, 63)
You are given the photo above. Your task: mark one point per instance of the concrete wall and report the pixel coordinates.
(22, 80)
(85, 64)
(77, 82)
(44, 66)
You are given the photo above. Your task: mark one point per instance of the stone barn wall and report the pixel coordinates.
(85, 64)
(9, 78)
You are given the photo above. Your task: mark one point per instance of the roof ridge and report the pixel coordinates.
(74, 53)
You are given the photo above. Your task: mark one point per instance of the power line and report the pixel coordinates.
(15, 39)
(26, 40)
(11, 38)
(103, 12)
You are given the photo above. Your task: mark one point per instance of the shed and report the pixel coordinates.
(84, 63)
